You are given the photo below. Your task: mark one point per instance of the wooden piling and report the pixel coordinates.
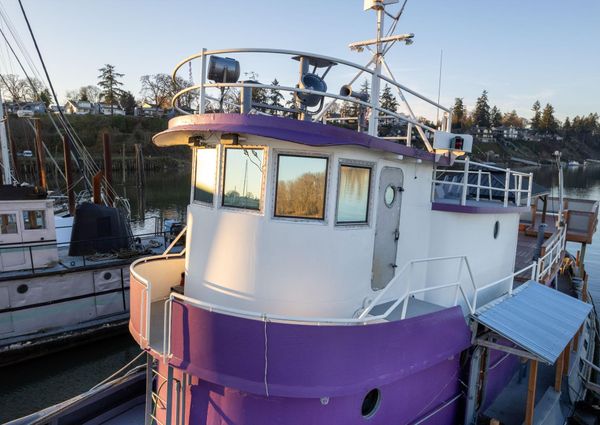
(13, 151)
(96, 183)
(69, 174)
(530, 407)
(139, 163)
(107, 169)
(39, 156)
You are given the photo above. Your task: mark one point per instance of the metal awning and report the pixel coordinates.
(540, 320)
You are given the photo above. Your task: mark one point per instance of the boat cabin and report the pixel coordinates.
(27, 229)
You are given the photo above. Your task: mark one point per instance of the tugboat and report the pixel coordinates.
(334, 276)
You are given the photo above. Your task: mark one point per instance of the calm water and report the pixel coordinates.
(36, 384)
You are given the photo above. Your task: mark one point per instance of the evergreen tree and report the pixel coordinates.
(458, 113)
(481, 115)
(388, 100)
(46, 97)
(127, 102)
(274, 96)
(496, 117)
(566, 128)
(110, 84)
(548, 123)
(537, 116)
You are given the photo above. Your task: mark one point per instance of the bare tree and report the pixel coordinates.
(90, 93)
(156, 89)
(15, 87)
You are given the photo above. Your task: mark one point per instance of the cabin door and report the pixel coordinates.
(11, 258)
(387, 207)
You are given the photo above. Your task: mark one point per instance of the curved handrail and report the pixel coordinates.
(301, 53)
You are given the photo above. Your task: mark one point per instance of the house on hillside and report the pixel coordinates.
(482, 134)
(508, 132)
(148, 110)
(80, 107)
(105, 109)
(35, 107)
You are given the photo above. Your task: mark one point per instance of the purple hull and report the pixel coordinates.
(415, 363)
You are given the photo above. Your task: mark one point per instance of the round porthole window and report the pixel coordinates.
(370, 403)
(496, 229)
(107, 275)
(21, 289)
(389, 195)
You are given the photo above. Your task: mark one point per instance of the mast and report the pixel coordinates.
(7, 179)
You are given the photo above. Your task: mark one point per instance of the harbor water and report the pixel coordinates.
(35, 384)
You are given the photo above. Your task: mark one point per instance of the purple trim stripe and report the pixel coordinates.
(286, 129)
(476, 209)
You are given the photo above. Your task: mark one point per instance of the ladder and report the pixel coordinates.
(157, 384)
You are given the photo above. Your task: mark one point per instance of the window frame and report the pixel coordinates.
(355, 164)
(264, 171)
(216, 177)
(44, 221)
(276, 180)
(16, 222)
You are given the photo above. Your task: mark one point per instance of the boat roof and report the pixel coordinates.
(308, 133)
(21, 193)
(539, 319)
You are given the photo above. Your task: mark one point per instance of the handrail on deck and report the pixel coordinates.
(539, 270)
(518, 189)
(319, 115)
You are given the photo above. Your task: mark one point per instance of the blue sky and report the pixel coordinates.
(519, 51)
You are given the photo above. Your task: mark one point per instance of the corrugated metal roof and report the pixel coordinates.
(538, 319)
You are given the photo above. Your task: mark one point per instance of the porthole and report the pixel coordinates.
(496, 229)
(107, 275)
(389, 195)
(371, 403)
(21, 289)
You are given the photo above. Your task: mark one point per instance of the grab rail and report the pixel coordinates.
(517, 190)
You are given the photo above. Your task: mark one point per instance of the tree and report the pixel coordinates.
(89, 93)
(15, 87)
(496, 117)
(155, 89)
(388, 100)
(46, 97)
(548, 123)
(537, 116)
(458, 113)
(274, 96)
(481, 115)
(127, 102)
(109, 81)
(512, 119)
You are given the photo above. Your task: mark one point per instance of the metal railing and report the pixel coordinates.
(319, 115)
(469, 291)
(522, 183)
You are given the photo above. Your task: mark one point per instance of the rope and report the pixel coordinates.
(266, 355)
(118, 371)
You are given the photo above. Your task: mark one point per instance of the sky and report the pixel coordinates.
(520, 51)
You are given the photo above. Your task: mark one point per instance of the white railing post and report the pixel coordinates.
(506, 186)
(478, 184)
(203, 65)
(409, 129)
(529, 189)
(533, 270)
(518, 192)
(538, 270)
(463, 200)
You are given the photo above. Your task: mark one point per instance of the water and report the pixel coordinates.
(39, 383)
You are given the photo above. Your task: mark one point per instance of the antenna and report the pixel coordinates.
(437, 116)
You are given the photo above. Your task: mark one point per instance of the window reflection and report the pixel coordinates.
(242, 186)
(301, 187)
(8, 224)
(353, 194)
(34, 219)
(206, 168)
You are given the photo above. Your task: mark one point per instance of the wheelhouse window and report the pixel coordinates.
(34, 219)
(301, 185)
(8, 224)
(353, 195)
(204, 179)
(242, 182)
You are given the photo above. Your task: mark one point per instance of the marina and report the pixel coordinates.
(327, 255)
